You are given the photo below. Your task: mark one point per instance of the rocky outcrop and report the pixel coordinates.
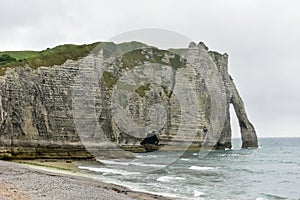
(104, 102)
(249, 137)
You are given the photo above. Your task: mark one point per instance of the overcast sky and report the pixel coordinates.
(262, 38)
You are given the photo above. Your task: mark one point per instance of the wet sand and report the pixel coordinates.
(19, 181)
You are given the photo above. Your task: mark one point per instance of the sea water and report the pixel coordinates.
(271, 171)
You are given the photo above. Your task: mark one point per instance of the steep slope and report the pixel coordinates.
(111, 96)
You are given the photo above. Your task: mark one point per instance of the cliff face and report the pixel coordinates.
(104, 101)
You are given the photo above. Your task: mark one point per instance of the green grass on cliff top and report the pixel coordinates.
(60, 54)
(20, 54)
(49, 57)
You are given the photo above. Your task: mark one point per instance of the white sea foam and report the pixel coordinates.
(145, 156)
(169, 178)
(108, 171)
(201, 168)
(112, 162)
(206, 172)
(198, 193)
(184, 159)
(147, 164)
(236, 154)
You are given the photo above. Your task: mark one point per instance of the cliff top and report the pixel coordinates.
(59, 54)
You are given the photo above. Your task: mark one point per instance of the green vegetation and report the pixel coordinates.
(58, 55)
(142, 90)
(140, 56)
(157, 57)
(177, 51)
(136, 57)
(175, 62)
(109, 79)
(133, 56)
(20, 55)
(5, 58)
(2, 71)
(112, 49)
(49, 57)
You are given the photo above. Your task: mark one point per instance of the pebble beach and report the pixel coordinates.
(20, 181)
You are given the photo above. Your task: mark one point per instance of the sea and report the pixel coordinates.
(271, 171)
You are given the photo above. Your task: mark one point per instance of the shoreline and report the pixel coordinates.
(58, 179)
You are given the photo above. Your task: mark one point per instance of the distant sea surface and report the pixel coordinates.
(271, 171)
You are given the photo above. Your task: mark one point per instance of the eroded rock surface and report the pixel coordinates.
(183, 95)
